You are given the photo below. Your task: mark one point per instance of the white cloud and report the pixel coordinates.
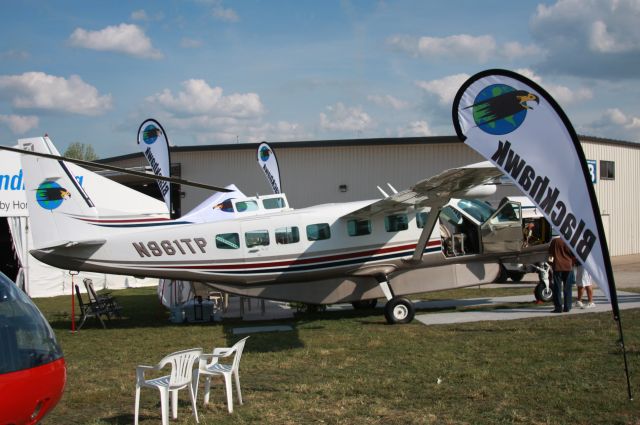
(387, 100)
(342, 118)
(514, 50)
(562, 94)
(38, 90)
(479, 48)
(198, 98)
(123, 38)
(445, 88)
(615, 123)
(19, 124)
(415, 129)
(598, 38)
(211, 116)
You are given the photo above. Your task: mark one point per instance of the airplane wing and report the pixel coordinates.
(436, 191)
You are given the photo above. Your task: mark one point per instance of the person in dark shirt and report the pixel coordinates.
(563, 277)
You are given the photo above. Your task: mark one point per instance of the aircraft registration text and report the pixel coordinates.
(166, 247)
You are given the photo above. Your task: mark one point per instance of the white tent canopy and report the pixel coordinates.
(37, 278)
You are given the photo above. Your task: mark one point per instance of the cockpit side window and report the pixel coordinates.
(273, 203)
(243, 206)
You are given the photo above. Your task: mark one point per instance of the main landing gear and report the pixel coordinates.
(398, 310)
(543, 291)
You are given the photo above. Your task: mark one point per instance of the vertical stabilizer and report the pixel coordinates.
(57, 202)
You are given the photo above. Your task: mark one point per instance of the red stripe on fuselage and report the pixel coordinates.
(302, 261)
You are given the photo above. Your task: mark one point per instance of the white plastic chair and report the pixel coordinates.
(181, 376)
(215, 368)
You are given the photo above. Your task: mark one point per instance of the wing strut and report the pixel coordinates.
(427, 230)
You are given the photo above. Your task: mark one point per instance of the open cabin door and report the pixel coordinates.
(502, 232)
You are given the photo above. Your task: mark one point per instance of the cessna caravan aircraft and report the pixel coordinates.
(430, 237)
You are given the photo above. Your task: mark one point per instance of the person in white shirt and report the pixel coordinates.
(584, 282)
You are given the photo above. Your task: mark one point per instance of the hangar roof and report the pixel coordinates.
(433, 140)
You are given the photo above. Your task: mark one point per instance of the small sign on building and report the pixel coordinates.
(593, 170)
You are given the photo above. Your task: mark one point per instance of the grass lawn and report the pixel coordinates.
(352, 368)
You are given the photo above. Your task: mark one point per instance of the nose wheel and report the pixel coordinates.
(399, 311)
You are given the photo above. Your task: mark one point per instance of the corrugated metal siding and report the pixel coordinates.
(619, 198)
(312, 176)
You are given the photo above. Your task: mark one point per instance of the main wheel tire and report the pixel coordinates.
(398, 311)
(502, 276)
(542, 293)
(516, 276)
(364, 304)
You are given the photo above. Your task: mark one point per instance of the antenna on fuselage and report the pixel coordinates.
(383, 192)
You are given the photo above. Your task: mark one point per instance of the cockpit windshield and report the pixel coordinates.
(26, 339)
(479, 210)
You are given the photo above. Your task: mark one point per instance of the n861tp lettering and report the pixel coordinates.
(166, 247)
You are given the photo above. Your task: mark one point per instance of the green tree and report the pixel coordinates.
(81, 151)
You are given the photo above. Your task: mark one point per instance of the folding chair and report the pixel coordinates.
(89, 309)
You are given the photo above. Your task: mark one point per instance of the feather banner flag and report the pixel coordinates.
(154, 144)
(518, 126)
(269, 164)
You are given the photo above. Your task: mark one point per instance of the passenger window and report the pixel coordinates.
(421, 219)
(243, 206)
(256, 238)
(396, 222)
(228, 241)
(318, 232)
(273, 203)
(286, 235)
(359, 227)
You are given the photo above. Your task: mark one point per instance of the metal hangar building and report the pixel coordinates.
(319, 172)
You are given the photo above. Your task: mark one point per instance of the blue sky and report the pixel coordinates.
(222, 71)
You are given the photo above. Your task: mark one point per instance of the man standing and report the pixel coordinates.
(562, 266)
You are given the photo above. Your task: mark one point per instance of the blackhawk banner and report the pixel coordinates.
(269, 164)
(518, 126)
(154, 144)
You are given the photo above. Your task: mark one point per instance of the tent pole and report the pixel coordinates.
(27, 274)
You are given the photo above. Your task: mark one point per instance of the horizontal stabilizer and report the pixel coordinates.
(73, 244)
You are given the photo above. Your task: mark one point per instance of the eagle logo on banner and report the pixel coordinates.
(500, 109)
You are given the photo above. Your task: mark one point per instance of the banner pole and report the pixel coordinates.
(624, 356)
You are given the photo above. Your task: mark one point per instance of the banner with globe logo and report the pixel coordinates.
(518, 126)
(269, 164)
(154, 144)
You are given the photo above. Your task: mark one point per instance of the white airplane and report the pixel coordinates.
(417, 240)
